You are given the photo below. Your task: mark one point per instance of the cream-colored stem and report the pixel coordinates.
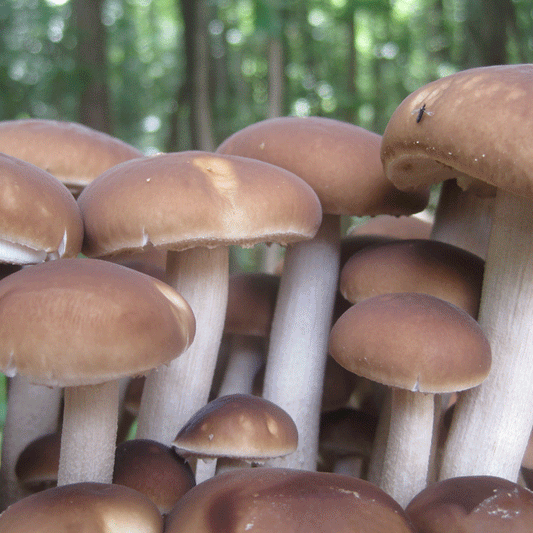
(89, 433)
(245, 359)
(463, 219)
(492, 422)
(32, 411)
(405, 467)
(299, 337)
(205, 469)
(173, 393)
(379, 446)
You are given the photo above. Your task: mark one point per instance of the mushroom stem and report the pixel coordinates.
(463, 219)
(89, 433)
(33, 411)
(173, 393)
(299, 337)
(406, 462)
(493, 421)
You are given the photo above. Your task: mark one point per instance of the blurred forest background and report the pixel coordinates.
(168, 75)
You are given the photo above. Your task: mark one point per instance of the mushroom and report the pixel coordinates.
(341, 162)
(75, 154)
(236, 426)
(82, 324)
(420, 346)
(470, 504)
(263, 500)
(196, 205)
(95, 507)
(476, 135)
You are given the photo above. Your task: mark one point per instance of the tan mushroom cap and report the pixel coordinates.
(188, 199)
(412, 341)
(473, 127)
(73, 153)
(153, 469)
(339, 160)
(263, 500)
(238, 426)
(82, 322)
(417, 265)
(94, 507)
(39, 218)
(472, 504)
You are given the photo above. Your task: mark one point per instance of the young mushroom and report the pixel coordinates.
(420, 346)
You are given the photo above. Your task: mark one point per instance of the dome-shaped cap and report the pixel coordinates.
(474, 126)
(39, 218)
(187, 199)
(411, 341)
(339, 160)
(73, 153)
(264, 500)
(85, 321)
(94, 507)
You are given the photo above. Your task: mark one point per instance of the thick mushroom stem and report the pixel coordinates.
(493, 421)
(89, 433)
(173, 393)
(33, 411)
(406, 463)
(299, 337)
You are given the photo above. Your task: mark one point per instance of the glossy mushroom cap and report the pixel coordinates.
(189, 199)
(80, 321)
(412, 341)
(407, 227)
(39, 218)
(417, 265)
(73, 153)
(154, 470)
(472, 504)
(263, 500)
(339, 160)
(238, 426)
(94, 507)
(472, 129)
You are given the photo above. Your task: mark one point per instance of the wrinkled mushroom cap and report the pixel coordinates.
(411, 341)
(86, 321)
(73, 153)
(472, 504)
(339, 160)
(39, 218)
(188, 199)
(474, 128)
(263, 500)
(84, 508)
(238, 426)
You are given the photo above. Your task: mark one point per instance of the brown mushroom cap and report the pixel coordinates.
(95, 507)
(473, 127)
(339, 160)
(73, 153)
(412, 341)
(263, 500)
(83, 321)
(472, 504)
(153, 469)
(240, 426)
(188, 199)
(417, 265)
(36, 213)
(408, 227)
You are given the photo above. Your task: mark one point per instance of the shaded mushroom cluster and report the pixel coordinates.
(378, 382)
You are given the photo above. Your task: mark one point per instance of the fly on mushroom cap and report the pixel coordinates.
(240, 426)
(39, 219)
(73, 153)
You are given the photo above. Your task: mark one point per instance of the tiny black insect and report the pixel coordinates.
(421, 111)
